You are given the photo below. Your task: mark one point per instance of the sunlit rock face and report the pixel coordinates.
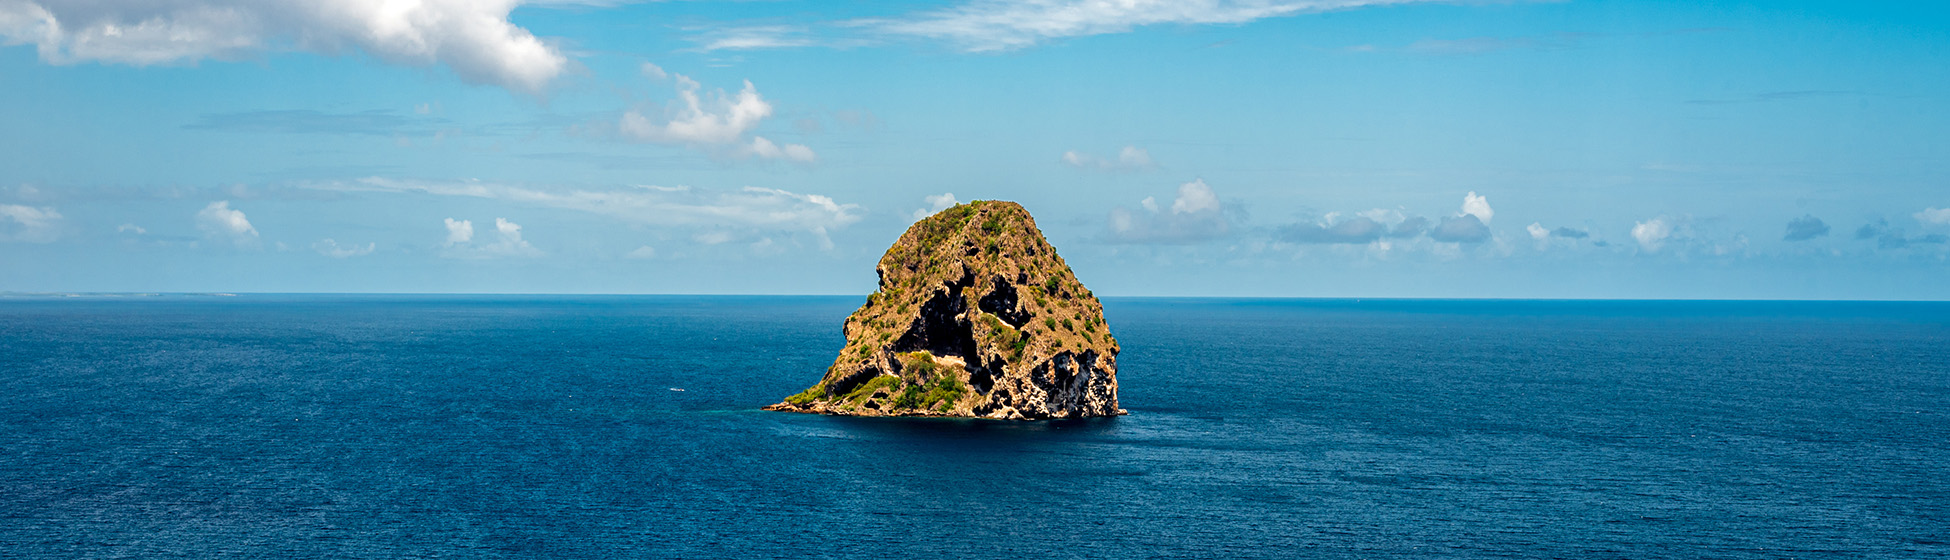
(976, 316)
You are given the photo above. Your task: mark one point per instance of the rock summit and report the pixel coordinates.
(976, 316)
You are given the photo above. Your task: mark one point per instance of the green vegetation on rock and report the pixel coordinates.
(975, 315)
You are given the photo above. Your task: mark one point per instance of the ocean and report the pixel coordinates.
(301, 426)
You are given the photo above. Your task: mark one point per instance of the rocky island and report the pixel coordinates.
(976, 316)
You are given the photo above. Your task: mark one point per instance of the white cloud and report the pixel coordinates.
(131, 228)
(28, 224)
(718, 237)
(511, 241)
(472, 37)
(1461, 228)
(1195, 215)
(1195, 197)
(459, 231)
(331, 248)
(508, 242)
(1537, 231)
(653, 71)
(757, 37)
(936, 203)
(993, 25)
(717, 122)
(644, 252)
(1938, 216)
(1478, 206)
(219, 220)
(765, 149)
(825, 241)
(1130, 158)
(1652, 234)
(750, 207)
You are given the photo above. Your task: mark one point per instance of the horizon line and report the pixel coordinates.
(61, 295)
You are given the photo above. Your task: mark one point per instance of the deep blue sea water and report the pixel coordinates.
(552, 427)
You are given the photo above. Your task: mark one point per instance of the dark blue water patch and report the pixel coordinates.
(597, 427)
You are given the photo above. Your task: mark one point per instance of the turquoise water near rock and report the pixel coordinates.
(266, 426)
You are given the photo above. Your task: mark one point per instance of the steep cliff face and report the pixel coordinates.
(975, 316)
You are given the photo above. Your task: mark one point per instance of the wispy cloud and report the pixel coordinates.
(1482, 45)
(305, 121)
(332, 248)
(1130, 158)
(998, 25)
(1773, 96)
(936, 203)
(750, 207)
(1935, 216)
(1561, 40)
(755, 37)
(28, 224)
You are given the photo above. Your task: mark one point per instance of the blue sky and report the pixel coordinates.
(1306, 148)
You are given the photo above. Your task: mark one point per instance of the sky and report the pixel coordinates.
(1280, 148)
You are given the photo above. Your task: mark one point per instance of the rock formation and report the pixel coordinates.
(976, 316)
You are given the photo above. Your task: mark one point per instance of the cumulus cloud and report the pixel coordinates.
(1130, 158)
(471, 37)
(459, 231)
(1804, 228)
(1937, 216)
(1888, 237)
(1467, 228)
(507, 242)
(1652, 234)
(653, 71)
(332, 248)
(643, 252)
(1379, 225)
(219, 220)
(1365, 227)
(1682, 236)
(28, 224)
(936, 203)
(1872, 229)
(1548, 237)
(716, 122)
(750, 207)
(1470, 226)
(1195, 216)
(1359, 229)
(1478, 206)
(1409, 227)
(995, 25)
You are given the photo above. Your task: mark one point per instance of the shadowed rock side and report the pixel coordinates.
(976, 316)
